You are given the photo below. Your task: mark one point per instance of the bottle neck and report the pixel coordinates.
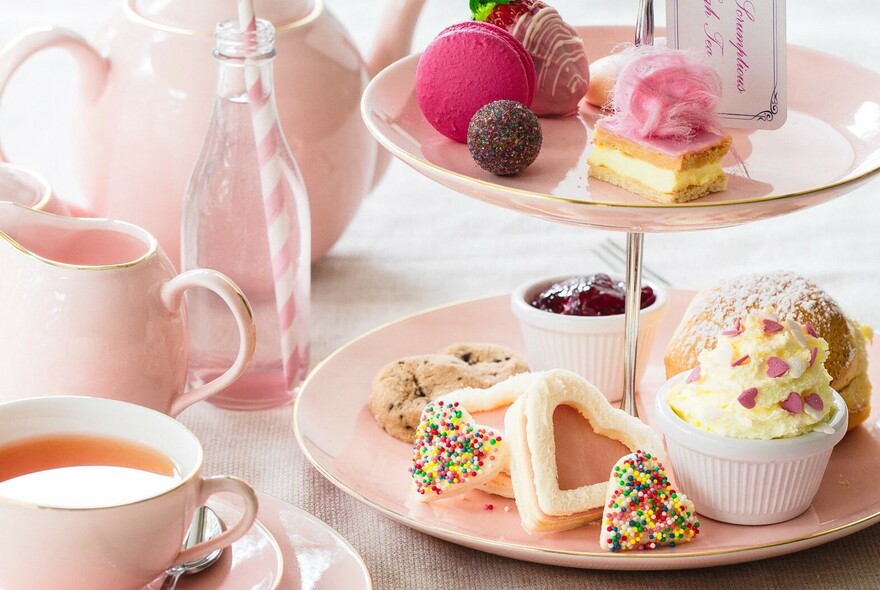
(245, 61)
(244, 79)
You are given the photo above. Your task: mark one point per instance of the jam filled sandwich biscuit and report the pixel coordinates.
(403, 387)
(564, 439)
(720, 311)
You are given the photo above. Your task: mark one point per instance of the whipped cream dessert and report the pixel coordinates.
(764, 379)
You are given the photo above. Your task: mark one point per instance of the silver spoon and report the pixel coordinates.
(205, 525)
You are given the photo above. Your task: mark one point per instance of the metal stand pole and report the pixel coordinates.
(632, 305)
(634, 244)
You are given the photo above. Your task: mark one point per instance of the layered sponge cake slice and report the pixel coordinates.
(660, 169)
(663, 139)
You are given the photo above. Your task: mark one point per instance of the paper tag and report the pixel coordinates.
(745, 41)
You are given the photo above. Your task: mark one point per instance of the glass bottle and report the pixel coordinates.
(225, 228)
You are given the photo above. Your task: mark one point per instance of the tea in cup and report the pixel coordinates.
(93, 307)
(101, 492)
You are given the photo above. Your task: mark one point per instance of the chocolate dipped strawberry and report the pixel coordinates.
(504, 13)
(563, 71)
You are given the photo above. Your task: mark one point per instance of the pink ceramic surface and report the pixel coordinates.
(113, 547)
(287, 549)
(97, 310)
(24, 187)
(338, 434)
(254, 562)
(163, 50)
(829, 145)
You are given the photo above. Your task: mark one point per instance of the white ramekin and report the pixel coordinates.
(745, 481)
(591, 346)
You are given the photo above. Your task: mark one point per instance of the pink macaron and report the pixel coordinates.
(467, 66)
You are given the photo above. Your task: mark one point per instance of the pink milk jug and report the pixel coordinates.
(148, 88)
(94, 307)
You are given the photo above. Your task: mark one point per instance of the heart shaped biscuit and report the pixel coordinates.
(452, 454)
(564, 438)
(642, 510)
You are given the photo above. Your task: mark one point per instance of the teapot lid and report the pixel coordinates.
(201, 16)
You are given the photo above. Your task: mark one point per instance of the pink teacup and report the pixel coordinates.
(97, 494)
(93, 307)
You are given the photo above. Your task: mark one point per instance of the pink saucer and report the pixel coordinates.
(283, 544)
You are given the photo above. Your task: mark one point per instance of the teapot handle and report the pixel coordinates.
(93, 66)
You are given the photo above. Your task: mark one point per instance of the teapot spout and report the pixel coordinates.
(399, 18)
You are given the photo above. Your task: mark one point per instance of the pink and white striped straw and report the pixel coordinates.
(278, 220)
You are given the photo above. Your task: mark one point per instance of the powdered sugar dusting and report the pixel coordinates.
(788, 294)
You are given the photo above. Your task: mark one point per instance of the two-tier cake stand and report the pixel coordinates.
(829, 145)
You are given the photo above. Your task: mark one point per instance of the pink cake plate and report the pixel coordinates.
(339, 436)
(829, 145)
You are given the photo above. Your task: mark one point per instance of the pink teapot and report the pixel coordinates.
(148, 84)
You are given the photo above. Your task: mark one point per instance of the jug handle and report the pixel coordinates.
(93, 66)
(172, 296)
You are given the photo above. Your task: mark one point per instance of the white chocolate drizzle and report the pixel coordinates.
(560, 61)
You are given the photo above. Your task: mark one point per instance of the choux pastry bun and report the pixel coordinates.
(793, 297)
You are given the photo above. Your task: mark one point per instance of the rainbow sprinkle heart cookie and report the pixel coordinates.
(642, 511)
(452, 454)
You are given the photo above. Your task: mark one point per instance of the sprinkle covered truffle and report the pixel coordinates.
(504, 137)
(642, 510)
(452, 454)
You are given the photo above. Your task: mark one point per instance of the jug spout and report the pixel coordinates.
(395, 37)
(70, 242)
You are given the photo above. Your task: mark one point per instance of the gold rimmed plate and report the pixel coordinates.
(339, 436)
(829, 145)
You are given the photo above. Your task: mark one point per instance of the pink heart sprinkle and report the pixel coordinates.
(694, 375)
(793, 404)
(771, 327)
(736, 331)
(740, 361)
(814, 401)
(813, 354)
(776, 367)
(747, 398)
(810, 329)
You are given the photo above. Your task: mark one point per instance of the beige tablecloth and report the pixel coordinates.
(415, 244)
